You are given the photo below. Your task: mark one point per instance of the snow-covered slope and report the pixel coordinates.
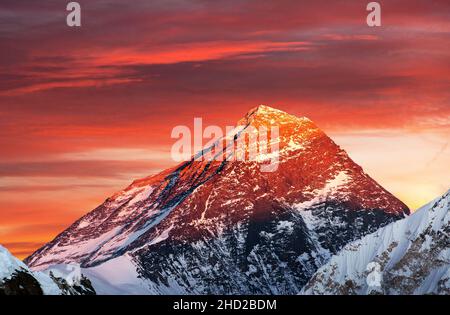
(8, 263)
(16, 278)
(118, 276)
(410, 256)
(226, 226)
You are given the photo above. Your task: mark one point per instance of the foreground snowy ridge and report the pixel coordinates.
(410, 256)
(16, 278)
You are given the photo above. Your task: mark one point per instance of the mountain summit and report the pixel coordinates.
(267, 116)
(225, 226)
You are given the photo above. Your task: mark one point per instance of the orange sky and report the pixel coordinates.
(85, 111)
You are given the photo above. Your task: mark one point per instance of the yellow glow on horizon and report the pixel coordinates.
(409, 165)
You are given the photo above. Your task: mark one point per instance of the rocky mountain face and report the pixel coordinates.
(17, 279)
(410, 256)
(225, 226)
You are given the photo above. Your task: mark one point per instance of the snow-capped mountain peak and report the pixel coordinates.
(269, 116)
(292, 129)
(226, 226)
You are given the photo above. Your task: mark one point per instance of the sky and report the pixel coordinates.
(84, 111)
